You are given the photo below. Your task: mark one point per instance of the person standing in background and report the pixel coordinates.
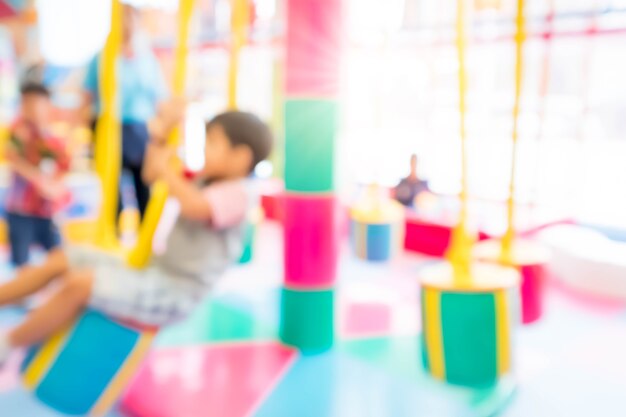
(410, 187)
(142, 87)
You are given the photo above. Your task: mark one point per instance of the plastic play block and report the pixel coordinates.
(531, 259)
(311, 240)
(310, 130)
(307, 319)
(84, 369)
(376, 242)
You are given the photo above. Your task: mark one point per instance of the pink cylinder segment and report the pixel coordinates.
(314, 40)
(532, 292)
(310, 230)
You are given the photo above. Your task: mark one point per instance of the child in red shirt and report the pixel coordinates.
(37, 160)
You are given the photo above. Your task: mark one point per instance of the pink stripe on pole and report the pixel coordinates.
(314, 40)
(311, 240)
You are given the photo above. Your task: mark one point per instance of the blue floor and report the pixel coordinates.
(570, 364)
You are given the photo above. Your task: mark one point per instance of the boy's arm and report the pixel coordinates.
(223, 204)
(19, 164)
(193, 203)
(59, 152)
(157, 166)
(170, 115)
(23, 168)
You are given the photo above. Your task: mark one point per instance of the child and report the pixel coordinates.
(205, 239)
(38, 161)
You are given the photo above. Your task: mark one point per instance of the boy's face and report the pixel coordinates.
(35, 108)
(221, 159)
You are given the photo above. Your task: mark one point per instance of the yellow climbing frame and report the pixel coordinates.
(108, 134)
(141, 253)
(506, 255)
(459, 252)
(239, 27)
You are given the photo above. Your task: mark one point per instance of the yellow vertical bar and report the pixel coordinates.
(239, 24)
(503, 331)
(433, 332)
(459, 252)
(47, 354)
(141, 253)
(108, 135)
(506, 255)
(277, 157)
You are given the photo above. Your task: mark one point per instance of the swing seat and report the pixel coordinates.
(85, 368)
(377, 233)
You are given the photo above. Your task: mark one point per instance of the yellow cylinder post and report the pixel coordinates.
(509, 236)
(277, 156)
(108, 134)
(239, 26)
(459, 252)
(140, 255)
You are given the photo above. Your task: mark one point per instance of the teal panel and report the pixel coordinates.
(468, 323)
(310, 131)
(307, 319)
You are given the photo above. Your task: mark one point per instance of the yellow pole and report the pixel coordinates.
(509, 236)
(459, 252)
(277, 156)
(141, 253)
(108, 134)
(239, 26)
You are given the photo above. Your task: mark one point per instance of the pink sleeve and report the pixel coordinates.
(229, 203)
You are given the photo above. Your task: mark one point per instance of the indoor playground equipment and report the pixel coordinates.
(530, 257)
(85, 368)
(376, 226)
(468, 309)
(77, 371)
(340, 337)
(588, 259)
(313, 41)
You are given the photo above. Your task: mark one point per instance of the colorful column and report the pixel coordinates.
(310, 206)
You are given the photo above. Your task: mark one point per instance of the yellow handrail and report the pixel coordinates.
(142, 252)
(108, 134)
(239, 26)
(506, 256)
(459, 252)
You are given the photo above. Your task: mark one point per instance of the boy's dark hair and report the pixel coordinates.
(245, 129)
(35, 89)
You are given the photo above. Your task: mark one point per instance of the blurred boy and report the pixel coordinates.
(206, 238)
(37, 161)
